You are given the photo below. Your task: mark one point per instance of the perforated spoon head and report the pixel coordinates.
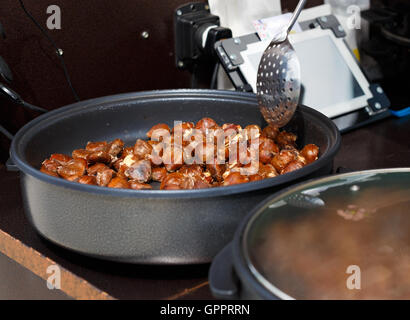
(278, 80)
(278, 83)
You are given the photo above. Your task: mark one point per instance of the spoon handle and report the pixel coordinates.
(296, 14)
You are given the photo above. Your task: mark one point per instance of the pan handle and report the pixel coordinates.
(222, 279)
(10, 166)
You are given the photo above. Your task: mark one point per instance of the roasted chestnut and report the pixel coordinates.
(310, 152)
(282, 159)
(235, 178)
(267, 149)
(284, 139)
(158, 129)
(190, 156)
(62, 159)
(139, 171)
(73, 169)
(292, 166)
(87, 180)
(96, 146)
(270, 132)
(158, 173)
(119, 183)
(139, 186)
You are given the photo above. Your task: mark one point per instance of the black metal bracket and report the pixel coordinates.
(229, 53)
(234, 46)
(380, 102)
(190, 21)
(331, 22)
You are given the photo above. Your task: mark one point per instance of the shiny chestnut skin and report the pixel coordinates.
(202, 152)
(49, 165)
(98, 167)
(235, 178)
(231, 126)
(292, 166)
(255, 177)
(62, 159)
(157, 152)
(99, 156)
(96, 146)
(191, 170)
(207, 177)
(123, 164)
(270, 132)
(104, 177)
(142, 149)
(49, 172)
(173, 160)
(184, 126)
(181, 131)
(119, 183)
(282, 159)
(139, 171)
(160, 127)
(126, 152)
(284, 139)
(195, 177)
(173, 181)
(310, 152)
(201, 184)
(115, 147)
(73, 170)
(81, 154)
(216, 170)
(91, 180)
(252, 131)
(267, 171)
(267, 149)
(139, 186)
(158, 174)
(102, 173)
(205, 124)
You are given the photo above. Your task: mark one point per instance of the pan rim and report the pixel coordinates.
(196, 193)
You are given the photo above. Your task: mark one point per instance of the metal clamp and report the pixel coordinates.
(229, 53)
(380, 102)
(331, 22)
(234, 46)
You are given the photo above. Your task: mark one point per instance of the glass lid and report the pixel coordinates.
(339, 237)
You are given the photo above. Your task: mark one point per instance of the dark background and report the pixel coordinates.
(103, 49)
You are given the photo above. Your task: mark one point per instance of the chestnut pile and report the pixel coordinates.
(111, 164)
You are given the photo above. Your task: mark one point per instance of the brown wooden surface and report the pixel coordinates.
(17, 282)
(381, 145)
(37, 266)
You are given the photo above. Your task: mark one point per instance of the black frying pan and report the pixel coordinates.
(149, 226)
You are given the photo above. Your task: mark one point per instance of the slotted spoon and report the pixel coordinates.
(278, 80)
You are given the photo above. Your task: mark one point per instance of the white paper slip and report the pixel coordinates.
(267, 28)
